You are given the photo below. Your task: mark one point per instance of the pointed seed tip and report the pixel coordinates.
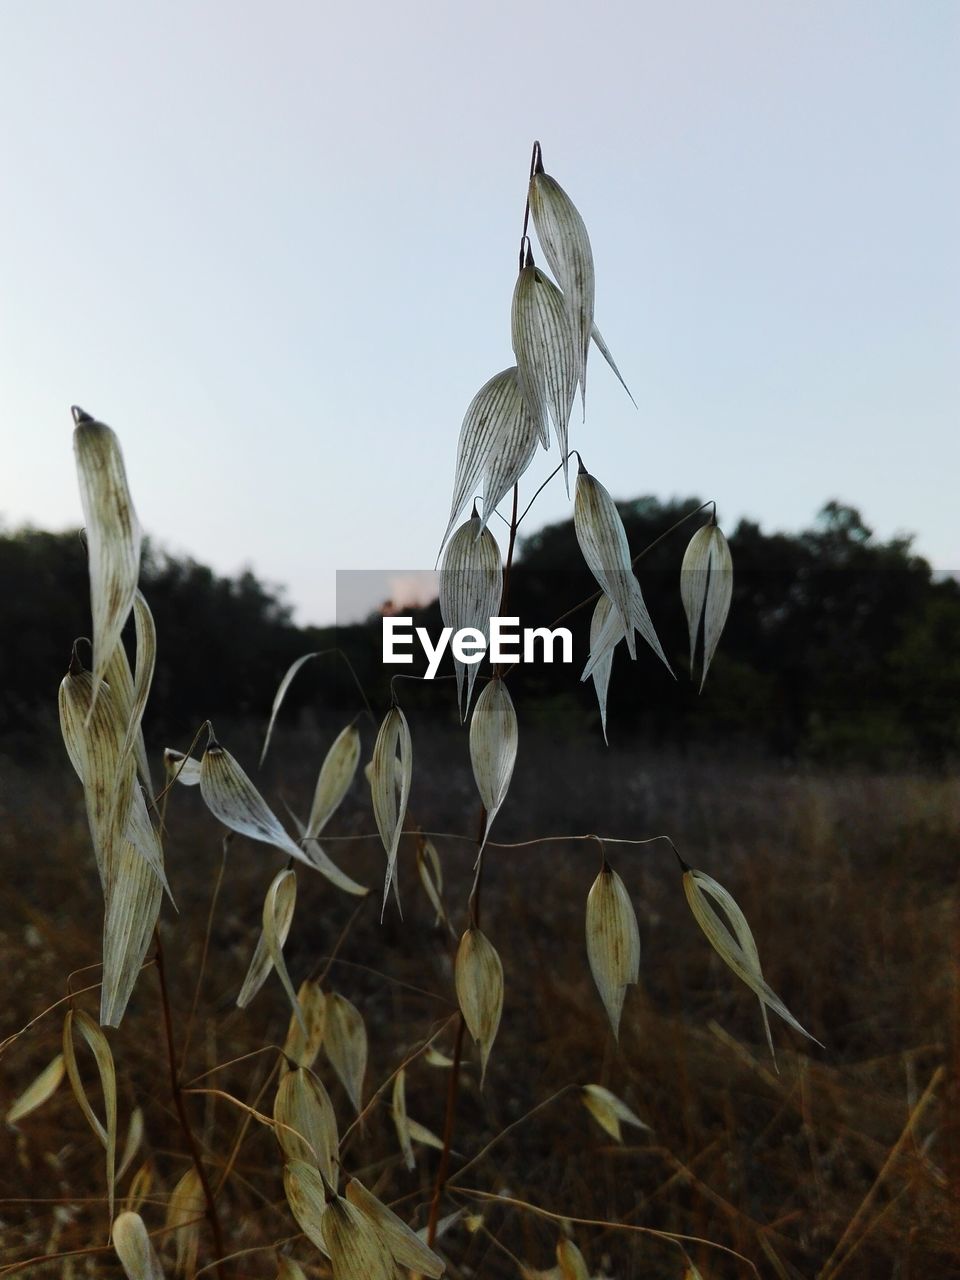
(80, 415)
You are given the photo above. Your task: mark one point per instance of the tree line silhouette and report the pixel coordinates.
(839, 647)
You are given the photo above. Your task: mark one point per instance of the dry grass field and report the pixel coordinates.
(845, 1163)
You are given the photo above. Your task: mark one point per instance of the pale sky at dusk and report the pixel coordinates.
(274, 247)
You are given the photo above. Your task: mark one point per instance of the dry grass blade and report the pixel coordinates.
(279, 696)
(706, 589)
(697, 886)
(566, 245)
(470, 583)
(479, 981)
(113, 535)
(134, 1248)
(608, 1111)
(398, 1113)
(404, 1244)
(497, 441)
(545, 347)
(333, 782)
(390, 801)
(345, 1044)
(303, 1048)
(233, 800)
(493, 748)
(603, 542)
(307, 1125)
(307, 1197)
(76, 1019)
(185, 1210)
(613, 942)
(37, 1093)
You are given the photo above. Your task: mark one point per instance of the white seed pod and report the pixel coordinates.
(420, 1133)
(608, 1111)
(546, 350)
(132, 908)
(185, 1211)
(497, 442)
(77, 1020)
(333, 782)
(306, 1195)
(390, 802)
(299, 1047)
(233, 800)
(113, 535)
(318, 858)
(566, 245)
(345, 1044)
(356, 1246)
(613, 942)
(729, 945)
(181, 768)
(603, 542)
(706, 589)
(470, 583)
(478, 976)
(405, 1246)
(37, 1093)
(306, 1122)
(493, 747)
(600, 665)
(135, 1249)
(279, 903)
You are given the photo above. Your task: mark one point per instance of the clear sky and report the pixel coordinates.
(274, 246)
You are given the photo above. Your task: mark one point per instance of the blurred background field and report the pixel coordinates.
(848, 878)
(815, 778)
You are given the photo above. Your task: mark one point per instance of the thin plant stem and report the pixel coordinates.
(206, 947)
(177, 1092)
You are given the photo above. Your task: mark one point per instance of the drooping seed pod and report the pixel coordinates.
(706, 589)
(479, 981)
(333, 782)
(406, 1247)
(37, 1093)
(608, 1110)
(493, 748)
(113, 535)
(278, 908)
(299, 1047)
(613, 942)
(570, 1260)
(497, 442)
(185, 1210)
(345, 1044)
(357, 1247)
(134, 1248)
(734, 943)
(306, 1122)
(106, 1131)
(566, 245)
(470, 583)
(393, 745)
(546, 349)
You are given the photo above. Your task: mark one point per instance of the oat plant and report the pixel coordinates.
(325, 1190)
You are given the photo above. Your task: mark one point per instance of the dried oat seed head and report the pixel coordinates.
(479, 982)
(613, 942)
